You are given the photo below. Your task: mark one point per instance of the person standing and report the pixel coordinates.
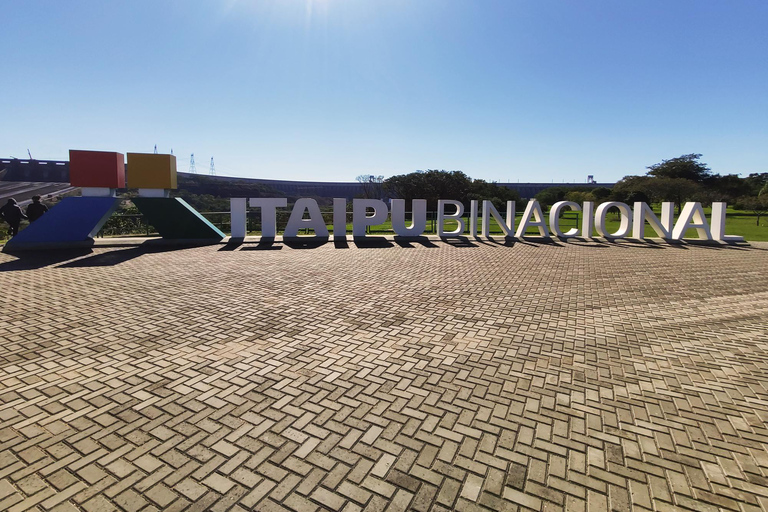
(36, 209)
(12, 214)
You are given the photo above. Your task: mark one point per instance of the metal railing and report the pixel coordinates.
(134, 224)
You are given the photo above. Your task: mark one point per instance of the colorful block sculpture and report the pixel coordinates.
(98, 173)
(96, 169)
(74, 219)
(148, 170)
(174, 219)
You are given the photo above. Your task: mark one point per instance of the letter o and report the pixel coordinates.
(626, 219)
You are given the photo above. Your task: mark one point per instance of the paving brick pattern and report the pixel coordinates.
(583, 376)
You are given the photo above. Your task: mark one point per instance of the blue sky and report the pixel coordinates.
(329, 89)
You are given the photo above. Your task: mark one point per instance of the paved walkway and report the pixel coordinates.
(427, 377)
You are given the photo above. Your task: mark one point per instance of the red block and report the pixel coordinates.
(96, 169)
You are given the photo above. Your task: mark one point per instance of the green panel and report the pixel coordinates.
(174, 219)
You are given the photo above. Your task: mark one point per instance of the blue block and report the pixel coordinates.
(74, 219)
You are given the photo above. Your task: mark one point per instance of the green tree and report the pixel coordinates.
(551, 195)
(685, 167)
(727, 188)
(756, 182)
(601, 194)
(373, 186)
(431, 185)
(579, 196)
(678, 190)
(482, 190)
(757, 205)
(631, 189)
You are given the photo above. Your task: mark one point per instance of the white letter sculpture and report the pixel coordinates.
(662, 227)
(297, 221)
(489, 211)
(360, 219)
(626, 219)
(587, 219)
(554, 219)
(339, 218)
(237, 217)
(418, 215)
(268, 215)
(692, 217)
(441, 216)
(473, 218)
(718, 225)
(532, 209)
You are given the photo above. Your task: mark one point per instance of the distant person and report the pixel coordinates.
(12, 214)
(36, 209)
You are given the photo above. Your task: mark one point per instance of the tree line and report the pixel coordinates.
(686, 178)
(679, 180)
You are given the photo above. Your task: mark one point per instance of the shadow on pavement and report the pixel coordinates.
(407, 242)
(32, 260)
(372, 242)
(305, 243)
(267, 244)
(118, 256)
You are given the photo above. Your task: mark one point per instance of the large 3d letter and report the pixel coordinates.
(441, 216)
(692, 217)
(418, 216)
(626, 219)
(489, 211)
(662, 227)
(297, 221)
(360, 219)
(268, 215)
(339, 218)
(587, 219)
(473, 218)
(718, 224)
(237, 217)
(554, 219)
(532, 209)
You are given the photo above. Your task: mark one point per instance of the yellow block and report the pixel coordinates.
(148, 170)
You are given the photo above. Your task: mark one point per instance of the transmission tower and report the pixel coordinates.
(213, 169)
(192, 169)
(155, 148)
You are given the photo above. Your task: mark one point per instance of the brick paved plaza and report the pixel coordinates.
(423, 376)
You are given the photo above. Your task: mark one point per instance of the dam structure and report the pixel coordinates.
(57, 171)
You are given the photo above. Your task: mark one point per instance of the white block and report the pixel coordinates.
(98, 192)
(154, 192)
